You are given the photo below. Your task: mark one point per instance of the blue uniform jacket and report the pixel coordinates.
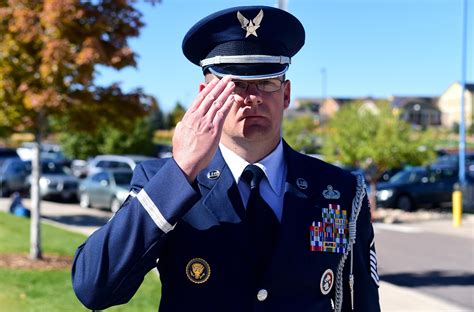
(198, 233)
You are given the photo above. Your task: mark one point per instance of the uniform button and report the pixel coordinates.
(262, 295)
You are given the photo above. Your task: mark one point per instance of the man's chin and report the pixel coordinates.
(256, 132)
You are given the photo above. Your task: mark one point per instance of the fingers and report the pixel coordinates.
(222, 113)
(202, 95)
(214, 96)
(220, 101)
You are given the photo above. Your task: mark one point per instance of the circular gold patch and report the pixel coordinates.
(198, 270)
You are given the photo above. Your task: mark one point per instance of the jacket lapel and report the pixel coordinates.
(220, 193)
(298, 203)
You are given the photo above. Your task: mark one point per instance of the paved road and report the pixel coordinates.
(431, 257)
(424, 266)
(70, 215)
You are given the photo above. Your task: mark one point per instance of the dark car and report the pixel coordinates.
(56, 182)
(105, 189)
(13, 173)
(6, 153)
(417, 186)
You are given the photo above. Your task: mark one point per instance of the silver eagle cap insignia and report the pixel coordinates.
(250, 26)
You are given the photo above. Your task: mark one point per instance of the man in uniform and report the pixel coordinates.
(236, 220)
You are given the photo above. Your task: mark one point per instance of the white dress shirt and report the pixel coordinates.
(272, 189)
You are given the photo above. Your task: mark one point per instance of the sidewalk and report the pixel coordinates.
(403, 299)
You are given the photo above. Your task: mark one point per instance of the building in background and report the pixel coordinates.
(418, 111)
(449, 104)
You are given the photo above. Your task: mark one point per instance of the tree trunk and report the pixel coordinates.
(35, 225)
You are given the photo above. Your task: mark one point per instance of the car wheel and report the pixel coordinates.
(115, 205)
(85, 201)
(405, 203)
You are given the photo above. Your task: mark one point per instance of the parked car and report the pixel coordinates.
(56, 182)
(107, 162)
(13, 173)
(105, 189)
(417, 186)
(79, 168)
(453, 160)
(48, 152)
(6, 153)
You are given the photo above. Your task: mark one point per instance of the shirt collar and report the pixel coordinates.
(273, 166)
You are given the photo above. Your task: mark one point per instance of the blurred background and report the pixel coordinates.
(90, 89)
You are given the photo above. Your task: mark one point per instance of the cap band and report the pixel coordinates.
(245, 59)
(249, 77)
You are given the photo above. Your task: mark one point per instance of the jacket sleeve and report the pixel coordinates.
(110, 266)
(364, 266)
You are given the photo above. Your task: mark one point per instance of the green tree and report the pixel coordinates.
(300, 133)
(157, 118)
(374, 140)
(110, 140)
(176, 114)
(49, 52)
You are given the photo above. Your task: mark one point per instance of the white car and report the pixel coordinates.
(107, 162)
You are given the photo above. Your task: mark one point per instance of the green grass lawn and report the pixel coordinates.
(30, 290)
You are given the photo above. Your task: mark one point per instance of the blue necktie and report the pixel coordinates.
(262, 222)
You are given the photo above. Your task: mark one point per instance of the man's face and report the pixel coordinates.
(256, 115)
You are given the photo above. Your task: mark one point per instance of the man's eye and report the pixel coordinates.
(266, 83)
(240, 84)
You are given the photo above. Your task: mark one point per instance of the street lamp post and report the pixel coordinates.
(458, 190)
(462, 125)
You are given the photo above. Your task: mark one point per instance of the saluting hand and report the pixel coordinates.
(197, 135)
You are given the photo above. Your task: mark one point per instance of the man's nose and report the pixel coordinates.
(253, 96)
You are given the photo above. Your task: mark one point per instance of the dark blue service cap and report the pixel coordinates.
(251, 42)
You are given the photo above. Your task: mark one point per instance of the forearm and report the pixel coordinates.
(110, 266)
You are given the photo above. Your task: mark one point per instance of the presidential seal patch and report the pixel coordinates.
(327, 280)
(198, 270)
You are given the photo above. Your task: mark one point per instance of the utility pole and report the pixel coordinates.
(462, 125)
(459, 188)
(283, 4)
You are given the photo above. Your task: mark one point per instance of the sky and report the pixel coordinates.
(375, 48)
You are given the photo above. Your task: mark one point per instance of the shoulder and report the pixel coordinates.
(320, 176)
(320, 167)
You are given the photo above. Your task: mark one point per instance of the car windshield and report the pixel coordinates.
(52, 168)
(408, 176)
(123, 178)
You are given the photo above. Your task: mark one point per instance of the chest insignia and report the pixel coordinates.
(214, 174)
(331, 193)
(327, 280)
(302, 183)
(330, 235)
(198, 270)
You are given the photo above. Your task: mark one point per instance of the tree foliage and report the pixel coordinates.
(374, 140)
(176, 114)
(110, 140)
(300, 133)
(49, 51)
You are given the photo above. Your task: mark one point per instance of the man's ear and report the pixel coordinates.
(286, 93)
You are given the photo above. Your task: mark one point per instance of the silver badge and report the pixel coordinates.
(213, 174)
(250, 26)
(330, 193)
(301, 183)
(327, 280)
